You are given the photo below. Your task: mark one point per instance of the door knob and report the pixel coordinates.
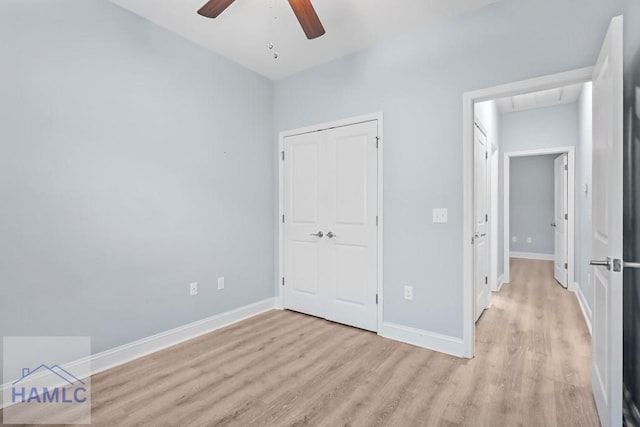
(553, 224)
(606, 263)
(318, 234)
(331, 235)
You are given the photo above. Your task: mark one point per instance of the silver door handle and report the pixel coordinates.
(318, 234)
(597, 263)
(478, 235)
(553, 224)
(331, 235)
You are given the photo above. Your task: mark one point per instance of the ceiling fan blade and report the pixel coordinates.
(214, 8)
(308, 18)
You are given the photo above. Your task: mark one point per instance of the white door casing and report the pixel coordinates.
(481, 251)
(330, 234)
(561, 219)
(606, 378)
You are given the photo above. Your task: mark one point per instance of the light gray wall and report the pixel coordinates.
(132, 162)
(584, 232)
(531, 203)
(548, 127)
(417, 80)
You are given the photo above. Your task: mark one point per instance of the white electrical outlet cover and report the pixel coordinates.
(440, 216)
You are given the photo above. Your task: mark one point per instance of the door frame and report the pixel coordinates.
(469, 100)
(280, 250)
(571, 182)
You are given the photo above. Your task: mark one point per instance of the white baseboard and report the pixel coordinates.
(421, 338)
(500, 283)
(584, 307)
(128, 352)
(532, 255)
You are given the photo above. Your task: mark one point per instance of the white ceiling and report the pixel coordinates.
(541, 99)
(243, 31)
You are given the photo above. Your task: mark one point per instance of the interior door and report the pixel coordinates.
(607, 227)
(351, 239)
(560, 219)
(305, 203)
(481, 252)
(330, 224)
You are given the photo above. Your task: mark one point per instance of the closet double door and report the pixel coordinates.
(330, 224)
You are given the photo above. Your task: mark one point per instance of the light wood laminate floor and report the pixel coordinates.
(532, 368)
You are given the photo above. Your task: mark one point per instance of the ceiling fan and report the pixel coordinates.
(303, 10)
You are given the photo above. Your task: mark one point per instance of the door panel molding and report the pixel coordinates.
(280, 267)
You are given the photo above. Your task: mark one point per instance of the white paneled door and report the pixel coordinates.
(606, 377)
(330, 224)
(481, 242)
(561, 219)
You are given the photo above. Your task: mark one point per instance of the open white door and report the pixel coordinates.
(561, 219)
(606, 378)
(481, 245)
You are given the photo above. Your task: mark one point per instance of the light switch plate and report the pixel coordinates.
(408, 293)
(440, 215)
(220, 283)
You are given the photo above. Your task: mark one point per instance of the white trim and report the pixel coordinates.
(134, 350)
(468, 101)
(500, 283)
(571, 156)
(378, 117)
(425, 339)
(584, 307)
(532, 255)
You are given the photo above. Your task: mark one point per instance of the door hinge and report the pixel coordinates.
(283, 281)
(566, 216)
(566, 167)
(377, 141)
(376, 299)
(282, 155)
(376, 220)
(486, 217)
(486, 155)
(566, 266)
(486, 280)
(283, 218)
